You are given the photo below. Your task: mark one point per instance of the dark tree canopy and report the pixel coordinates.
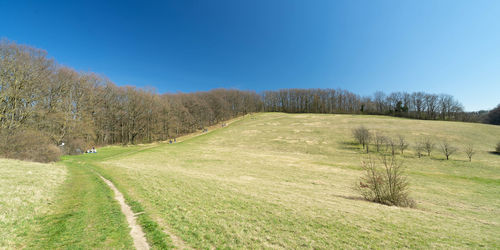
(493, 116)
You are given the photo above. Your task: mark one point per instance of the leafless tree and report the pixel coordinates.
(428, 145)
(469, 151)
(379, 139)
(402, 144)
(362, 135)
(447, 149)
(419, 148)
(391, 145)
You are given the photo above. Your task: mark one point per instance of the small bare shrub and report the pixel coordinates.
(391, 145)
(362, 135)
(428, 145)
(402, 144)
(386, 185)
(469, 151)
(447, 149)
(379, 139)
(419, 148)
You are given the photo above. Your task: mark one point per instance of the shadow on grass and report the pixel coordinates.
(351, 197)
(494, 153)
(349, 145)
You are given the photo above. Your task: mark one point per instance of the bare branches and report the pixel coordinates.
(469, 151)
(387, 184)
(428, 145)
(379, 139)
(402, 144)
(362, 135)
(419, 148)
(447, 149)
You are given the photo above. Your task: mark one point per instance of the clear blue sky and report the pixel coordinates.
(363, 46)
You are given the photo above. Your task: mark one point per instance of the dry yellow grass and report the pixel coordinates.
(286, 181)
(26, 191)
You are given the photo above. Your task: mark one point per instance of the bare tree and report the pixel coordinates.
(391, 144)
(402, 143)
(428, 145)
(419, 148)
(379, 139)
(447, 149)
(469, 150)
(362, 135)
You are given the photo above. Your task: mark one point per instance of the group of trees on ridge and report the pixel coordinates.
(44, 104)
(417, 105)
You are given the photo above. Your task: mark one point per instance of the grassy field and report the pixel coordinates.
(286, 181)
(269, 180)
(27, 190)
(54, 206)
(84, 215)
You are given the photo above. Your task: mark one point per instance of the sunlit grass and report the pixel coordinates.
(286, 181)
(27, 191)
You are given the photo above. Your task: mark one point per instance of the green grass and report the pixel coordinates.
(85, 215)
(26, 191)
(270, 180)
(286, 181)
(156, 238)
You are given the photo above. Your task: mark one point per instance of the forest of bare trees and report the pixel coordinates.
(417, 105)
(54, 104)
(59, 105)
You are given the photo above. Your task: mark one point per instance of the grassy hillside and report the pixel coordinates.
(54, 206)
(268, 180)
(26, 191)
(286, 181)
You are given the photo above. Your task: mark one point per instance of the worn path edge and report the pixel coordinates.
(136, 232)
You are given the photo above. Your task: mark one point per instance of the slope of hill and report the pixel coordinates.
(26, 191)
(268, 180)
(286, 181)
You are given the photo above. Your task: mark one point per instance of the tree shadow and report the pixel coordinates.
(351, 197)
(349, 145)
(494, 152)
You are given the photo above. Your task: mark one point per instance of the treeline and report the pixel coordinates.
(417, 105)
(54, 104)
(44, 104)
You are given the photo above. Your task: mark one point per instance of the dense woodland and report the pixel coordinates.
(44, 104)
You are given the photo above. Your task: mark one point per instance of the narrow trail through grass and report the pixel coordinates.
(276, 181)
(136, 232)
(285, 181)
(85, 216)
